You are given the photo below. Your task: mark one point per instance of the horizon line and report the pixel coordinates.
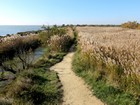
(51, 24)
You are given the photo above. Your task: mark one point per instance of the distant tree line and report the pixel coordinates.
(90, 25)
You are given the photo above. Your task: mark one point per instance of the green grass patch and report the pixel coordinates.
(35, 86)
(50, 60)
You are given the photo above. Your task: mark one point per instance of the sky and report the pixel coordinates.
(48, 12)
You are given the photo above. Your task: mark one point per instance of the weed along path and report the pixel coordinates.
(75, 90)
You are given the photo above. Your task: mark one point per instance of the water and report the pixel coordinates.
(33, 57)
(38, 53)
(13, 29)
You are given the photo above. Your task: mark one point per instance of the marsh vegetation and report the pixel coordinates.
(26, 79)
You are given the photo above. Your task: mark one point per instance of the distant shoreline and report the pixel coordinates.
(8, 30)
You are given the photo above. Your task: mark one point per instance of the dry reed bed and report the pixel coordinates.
(118, 49)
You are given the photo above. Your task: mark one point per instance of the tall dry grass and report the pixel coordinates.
(113, 54)
(60, 43)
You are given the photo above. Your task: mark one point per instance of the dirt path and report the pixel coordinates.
(75, 90)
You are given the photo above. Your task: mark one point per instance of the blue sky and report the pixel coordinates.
(38, 12)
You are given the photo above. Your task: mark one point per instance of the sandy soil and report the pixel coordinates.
(75, 90)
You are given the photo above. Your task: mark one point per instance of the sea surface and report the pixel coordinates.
(13, 29)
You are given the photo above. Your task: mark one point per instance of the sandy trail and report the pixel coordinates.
(75, 90)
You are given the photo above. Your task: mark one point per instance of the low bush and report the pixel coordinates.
(45, 36)
(131, 25)
(60, 43)
(56, 38)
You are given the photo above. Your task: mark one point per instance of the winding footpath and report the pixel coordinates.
(76, 92)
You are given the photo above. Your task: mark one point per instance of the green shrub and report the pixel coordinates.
(56, 39)
(44, 37)
(131, 25)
